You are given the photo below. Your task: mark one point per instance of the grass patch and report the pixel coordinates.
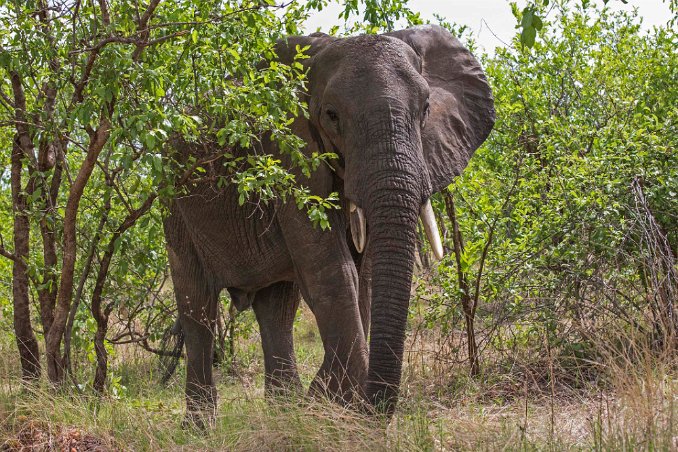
(441, 409)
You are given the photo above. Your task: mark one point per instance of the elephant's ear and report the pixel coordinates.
(461, 104)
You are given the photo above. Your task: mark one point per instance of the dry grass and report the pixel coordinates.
(442, 409)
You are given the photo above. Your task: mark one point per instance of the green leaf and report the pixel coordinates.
(528, 15)
(528, 36)
(537, 23)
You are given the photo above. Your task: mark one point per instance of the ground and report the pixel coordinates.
(441, 409)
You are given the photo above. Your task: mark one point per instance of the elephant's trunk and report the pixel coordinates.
(392, 218)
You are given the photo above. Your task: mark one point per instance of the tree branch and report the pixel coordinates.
(105, 16)
(4, 252)
(23, 133)
(6, 101)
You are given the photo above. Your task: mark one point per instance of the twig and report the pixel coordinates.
(4, 252)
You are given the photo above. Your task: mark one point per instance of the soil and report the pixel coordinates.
(29, 435)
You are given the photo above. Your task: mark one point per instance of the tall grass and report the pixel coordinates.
(632, 406)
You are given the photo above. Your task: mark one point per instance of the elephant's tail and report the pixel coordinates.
(170, 351)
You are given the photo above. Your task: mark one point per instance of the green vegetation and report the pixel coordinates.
(551, 324)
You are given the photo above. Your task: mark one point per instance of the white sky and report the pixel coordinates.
(481, 16)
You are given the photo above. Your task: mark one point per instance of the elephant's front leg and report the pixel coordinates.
(197, 314)
(201, 393)
(275, 308)
(344, 368)
(329, 283)
(363, 263)
(197, 302)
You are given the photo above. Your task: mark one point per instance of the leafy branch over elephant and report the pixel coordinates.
(404, 112)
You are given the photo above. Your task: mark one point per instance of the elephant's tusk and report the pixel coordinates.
(431, 228)
(358, 227)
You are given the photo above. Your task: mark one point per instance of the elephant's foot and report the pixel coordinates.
(200, 416)
(339, 385)
(201, 407)
(199, 420)
(283, 385)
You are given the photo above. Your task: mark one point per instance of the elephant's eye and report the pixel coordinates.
(332, 115)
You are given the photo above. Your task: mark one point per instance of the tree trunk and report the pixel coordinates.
(99, 383)
(232, 313)
(83, 280)
(98, 139)
(101, 315)
(424, 255)
(48, 292)
(23, 330)
(467, 302)
(22, 148)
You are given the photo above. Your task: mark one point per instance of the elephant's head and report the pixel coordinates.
(404, 112)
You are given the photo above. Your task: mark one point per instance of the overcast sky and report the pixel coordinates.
(485, 17)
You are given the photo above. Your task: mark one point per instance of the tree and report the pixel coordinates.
(531, 17)
(567, 213)
(91, 91)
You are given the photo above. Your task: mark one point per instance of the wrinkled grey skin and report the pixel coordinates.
(404, 111)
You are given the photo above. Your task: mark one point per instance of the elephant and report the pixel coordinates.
(403, 112)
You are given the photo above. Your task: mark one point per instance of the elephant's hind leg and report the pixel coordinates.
(275, 308)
